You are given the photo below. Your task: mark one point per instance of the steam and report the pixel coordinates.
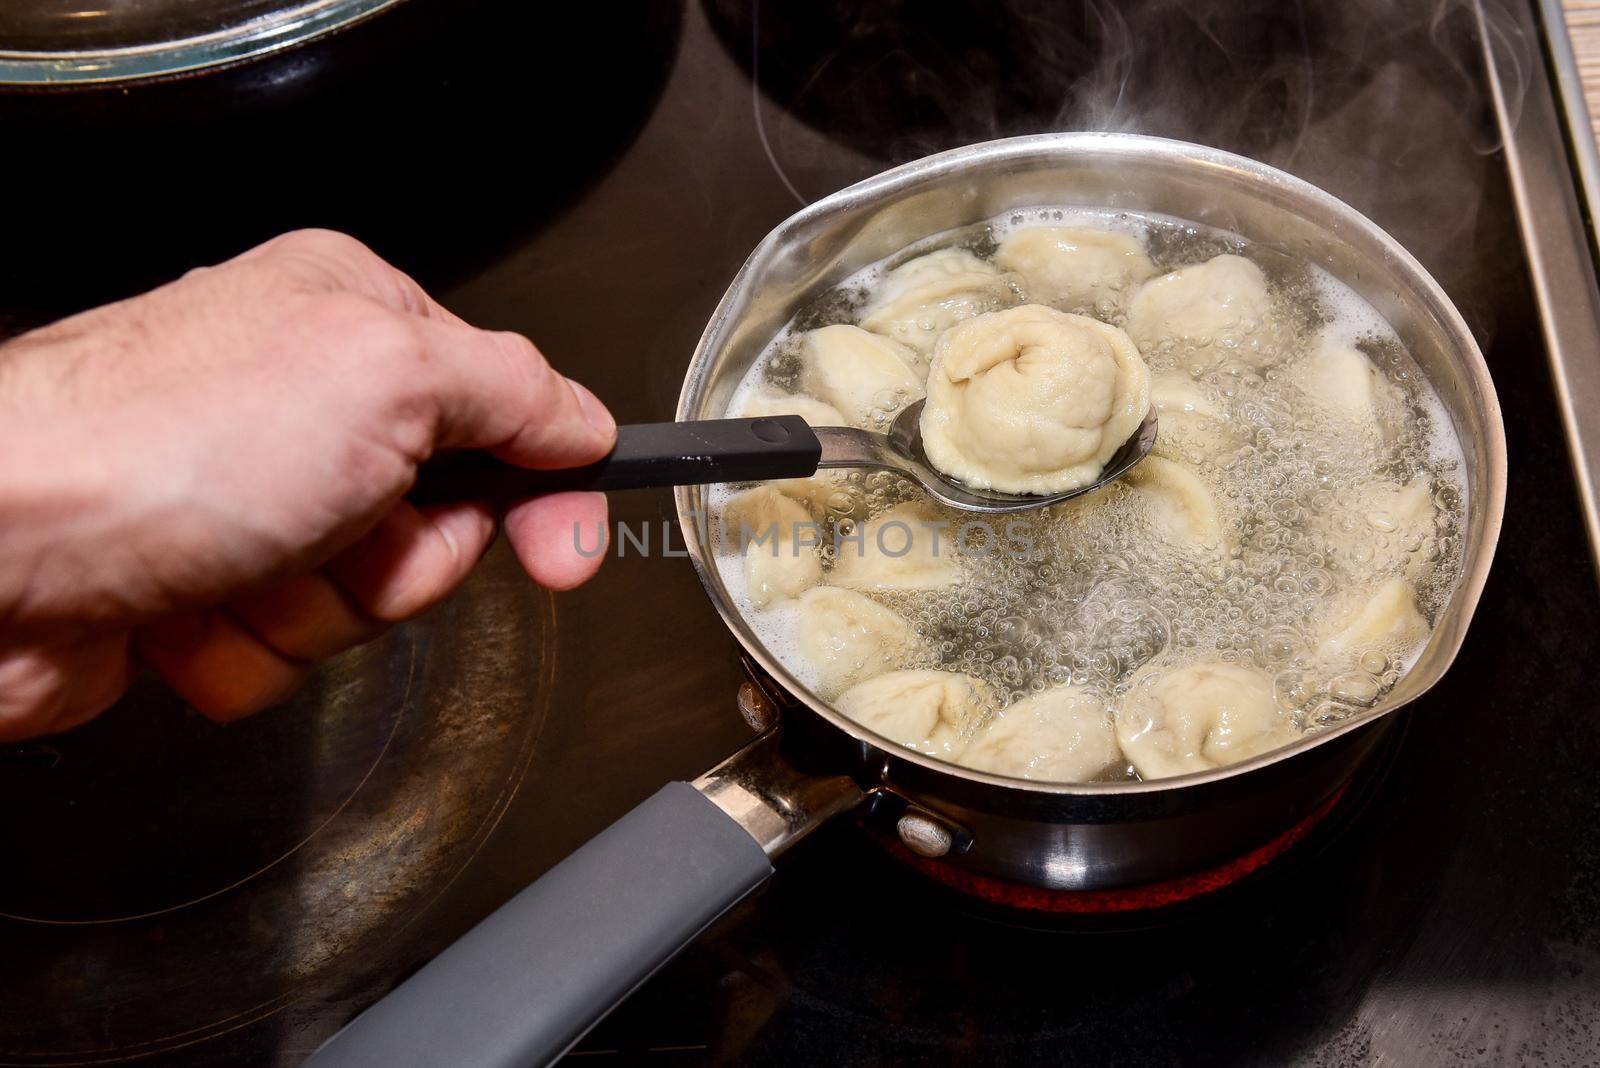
(1384, 103)
(1260, 77)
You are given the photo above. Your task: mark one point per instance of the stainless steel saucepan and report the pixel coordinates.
(527, 983)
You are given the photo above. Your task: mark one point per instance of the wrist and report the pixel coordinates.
(49, 491)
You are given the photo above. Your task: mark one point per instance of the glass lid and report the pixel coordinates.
(44, 42)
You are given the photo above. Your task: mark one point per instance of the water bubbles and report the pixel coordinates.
(1386, 522)
(1324, 715)
(1102, 595)
(1356, 688)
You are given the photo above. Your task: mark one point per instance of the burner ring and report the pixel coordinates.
(300, 895)
(1146, 898)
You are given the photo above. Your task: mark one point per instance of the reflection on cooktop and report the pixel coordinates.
(183, 880)
(898, 80)
(443, 131)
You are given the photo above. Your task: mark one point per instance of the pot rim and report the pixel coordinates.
(1267, 180)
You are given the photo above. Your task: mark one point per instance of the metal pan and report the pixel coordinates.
(532, 978)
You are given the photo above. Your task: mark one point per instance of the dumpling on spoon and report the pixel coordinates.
(1198, 717)
(924, 297)
(1075, 269)
(1032, 400)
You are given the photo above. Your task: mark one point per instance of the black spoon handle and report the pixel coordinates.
(646, 454)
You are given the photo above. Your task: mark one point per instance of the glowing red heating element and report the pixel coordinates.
(1132, 899)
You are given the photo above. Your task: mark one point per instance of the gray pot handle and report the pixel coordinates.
(528, 982)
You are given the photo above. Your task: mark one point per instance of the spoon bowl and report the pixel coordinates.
(900, 450)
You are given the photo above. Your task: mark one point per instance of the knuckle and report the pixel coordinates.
(315, 260)
(525, 364)
(382, 464)
(314, 241)
(34, 694)
(419, 576)
(360, 328)
(379, 358)
(409, 593)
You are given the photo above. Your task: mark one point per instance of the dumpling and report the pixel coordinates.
(779, 541)
(1071, 268)
(1384, 619)
(924, 297)
(1211, 309)
(904, 548)
(866, 377)
(1386, 528)
(929, 711)
(1340, 379)
(1061, 735)
(1192, 427)
(1198, 717)
(824, 491)
(847, 637)
(769, 402)
(1032, 400)
(1176, 393)
(1179, 504)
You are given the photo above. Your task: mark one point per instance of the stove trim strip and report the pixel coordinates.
(1543, 148)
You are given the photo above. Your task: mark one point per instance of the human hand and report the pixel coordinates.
(208, 477)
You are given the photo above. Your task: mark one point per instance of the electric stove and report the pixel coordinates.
(593, 177)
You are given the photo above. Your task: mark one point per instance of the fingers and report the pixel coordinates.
(215, 664)
(306, 617)
(231, 664)
(561, 538)
(412, 558)
(45, 689)
(496, 391)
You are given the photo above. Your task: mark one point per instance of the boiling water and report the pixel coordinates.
(1098, 594)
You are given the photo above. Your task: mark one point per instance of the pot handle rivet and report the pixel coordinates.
(924, 836)
(756, 707)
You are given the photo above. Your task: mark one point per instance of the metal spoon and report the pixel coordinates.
(900, 450)
(745, 450)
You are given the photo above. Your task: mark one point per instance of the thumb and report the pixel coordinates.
(494, 390)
